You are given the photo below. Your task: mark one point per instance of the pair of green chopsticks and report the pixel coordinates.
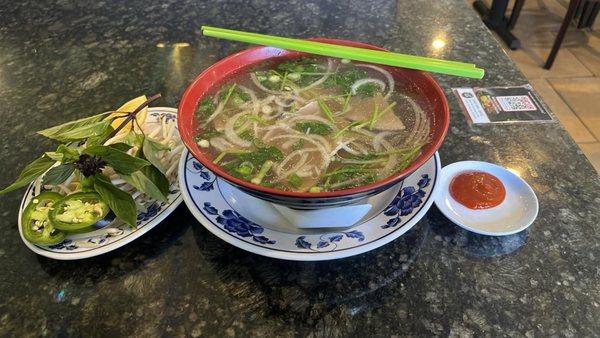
(352, 53)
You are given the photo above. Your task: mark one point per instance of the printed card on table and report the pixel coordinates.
(502, 105)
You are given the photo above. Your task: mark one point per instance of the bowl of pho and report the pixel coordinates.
(311, 132)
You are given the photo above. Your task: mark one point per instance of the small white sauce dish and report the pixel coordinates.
(516, 213)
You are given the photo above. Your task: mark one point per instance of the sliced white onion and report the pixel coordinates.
(261, 87)
(420, 129)
(230, 132)
(321, 80)
(216, 113)
(324, 151)
(388, 76)
(350, 150)
(220, 143)
(361, 82)
(339, 147)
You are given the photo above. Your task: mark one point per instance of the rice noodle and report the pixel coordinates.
(388, 76)
(283, 174)
(348, 160)
(254, 102)
(307, 171)
(278, 101)
(379, 138)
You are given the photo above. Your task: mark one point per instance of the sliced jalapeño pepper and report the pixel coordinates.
(77, 211)
(34, 221)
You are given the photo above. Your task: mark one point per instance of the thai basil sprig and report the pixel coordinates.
(84, 154)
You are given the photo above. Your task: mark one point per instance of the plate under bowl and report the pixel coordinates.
(203, 196)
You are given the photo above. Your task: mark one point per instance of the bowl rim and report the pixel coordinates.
(194, 149)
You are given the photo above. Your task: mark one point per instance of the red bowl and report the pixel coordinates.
(428, 92)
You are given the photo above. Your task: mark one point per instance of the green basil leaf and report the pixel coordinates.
(64, 154)
(56, 156)
(158, 178)
(151, 149)
(120, 202)
(67, 131)
(134, 139)
(99, 139)
(57, 175)
(142, 183)
(30, 173)
(122, 162)
(121, 146)
(85, 131)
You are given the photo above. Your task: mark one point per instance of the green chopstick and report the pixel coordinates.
(348, 48)
(353, 53)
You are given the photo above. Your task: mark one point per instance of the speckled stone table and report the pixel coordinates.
(65, 59)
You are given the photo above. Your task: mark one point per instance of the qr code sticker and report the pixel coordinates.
(516, 103)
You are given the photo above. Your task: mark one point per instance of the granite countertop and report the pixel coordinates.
(65, 59)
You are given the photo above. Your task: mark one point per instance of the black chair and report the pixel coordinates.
(585, 10)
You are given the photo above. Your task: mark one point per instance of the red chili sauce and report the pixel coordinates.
(477, 190)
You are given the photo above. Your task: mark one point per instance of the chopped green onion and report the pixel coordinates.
(343, 130)
(346, 102)
(283, 80)
(263, 171)
(229, 92)
(219, 157)
(314, 189)
(373, 116)
(294, 76)
(325, 109)
(294, 180)
(245, 168)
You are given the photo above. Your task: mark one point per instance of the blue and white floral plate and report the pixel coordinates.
(117, 234)
(204, 195)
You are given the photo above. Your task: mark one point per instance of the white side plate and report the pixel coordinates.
(518, 210)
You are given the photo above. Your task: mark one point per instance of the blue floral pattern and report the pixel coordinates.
(200, 170)
(204, 191)
(67, 244)
(405, 202)
(329, 239)
(167, 116)
(238, 224)
(150, 212)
